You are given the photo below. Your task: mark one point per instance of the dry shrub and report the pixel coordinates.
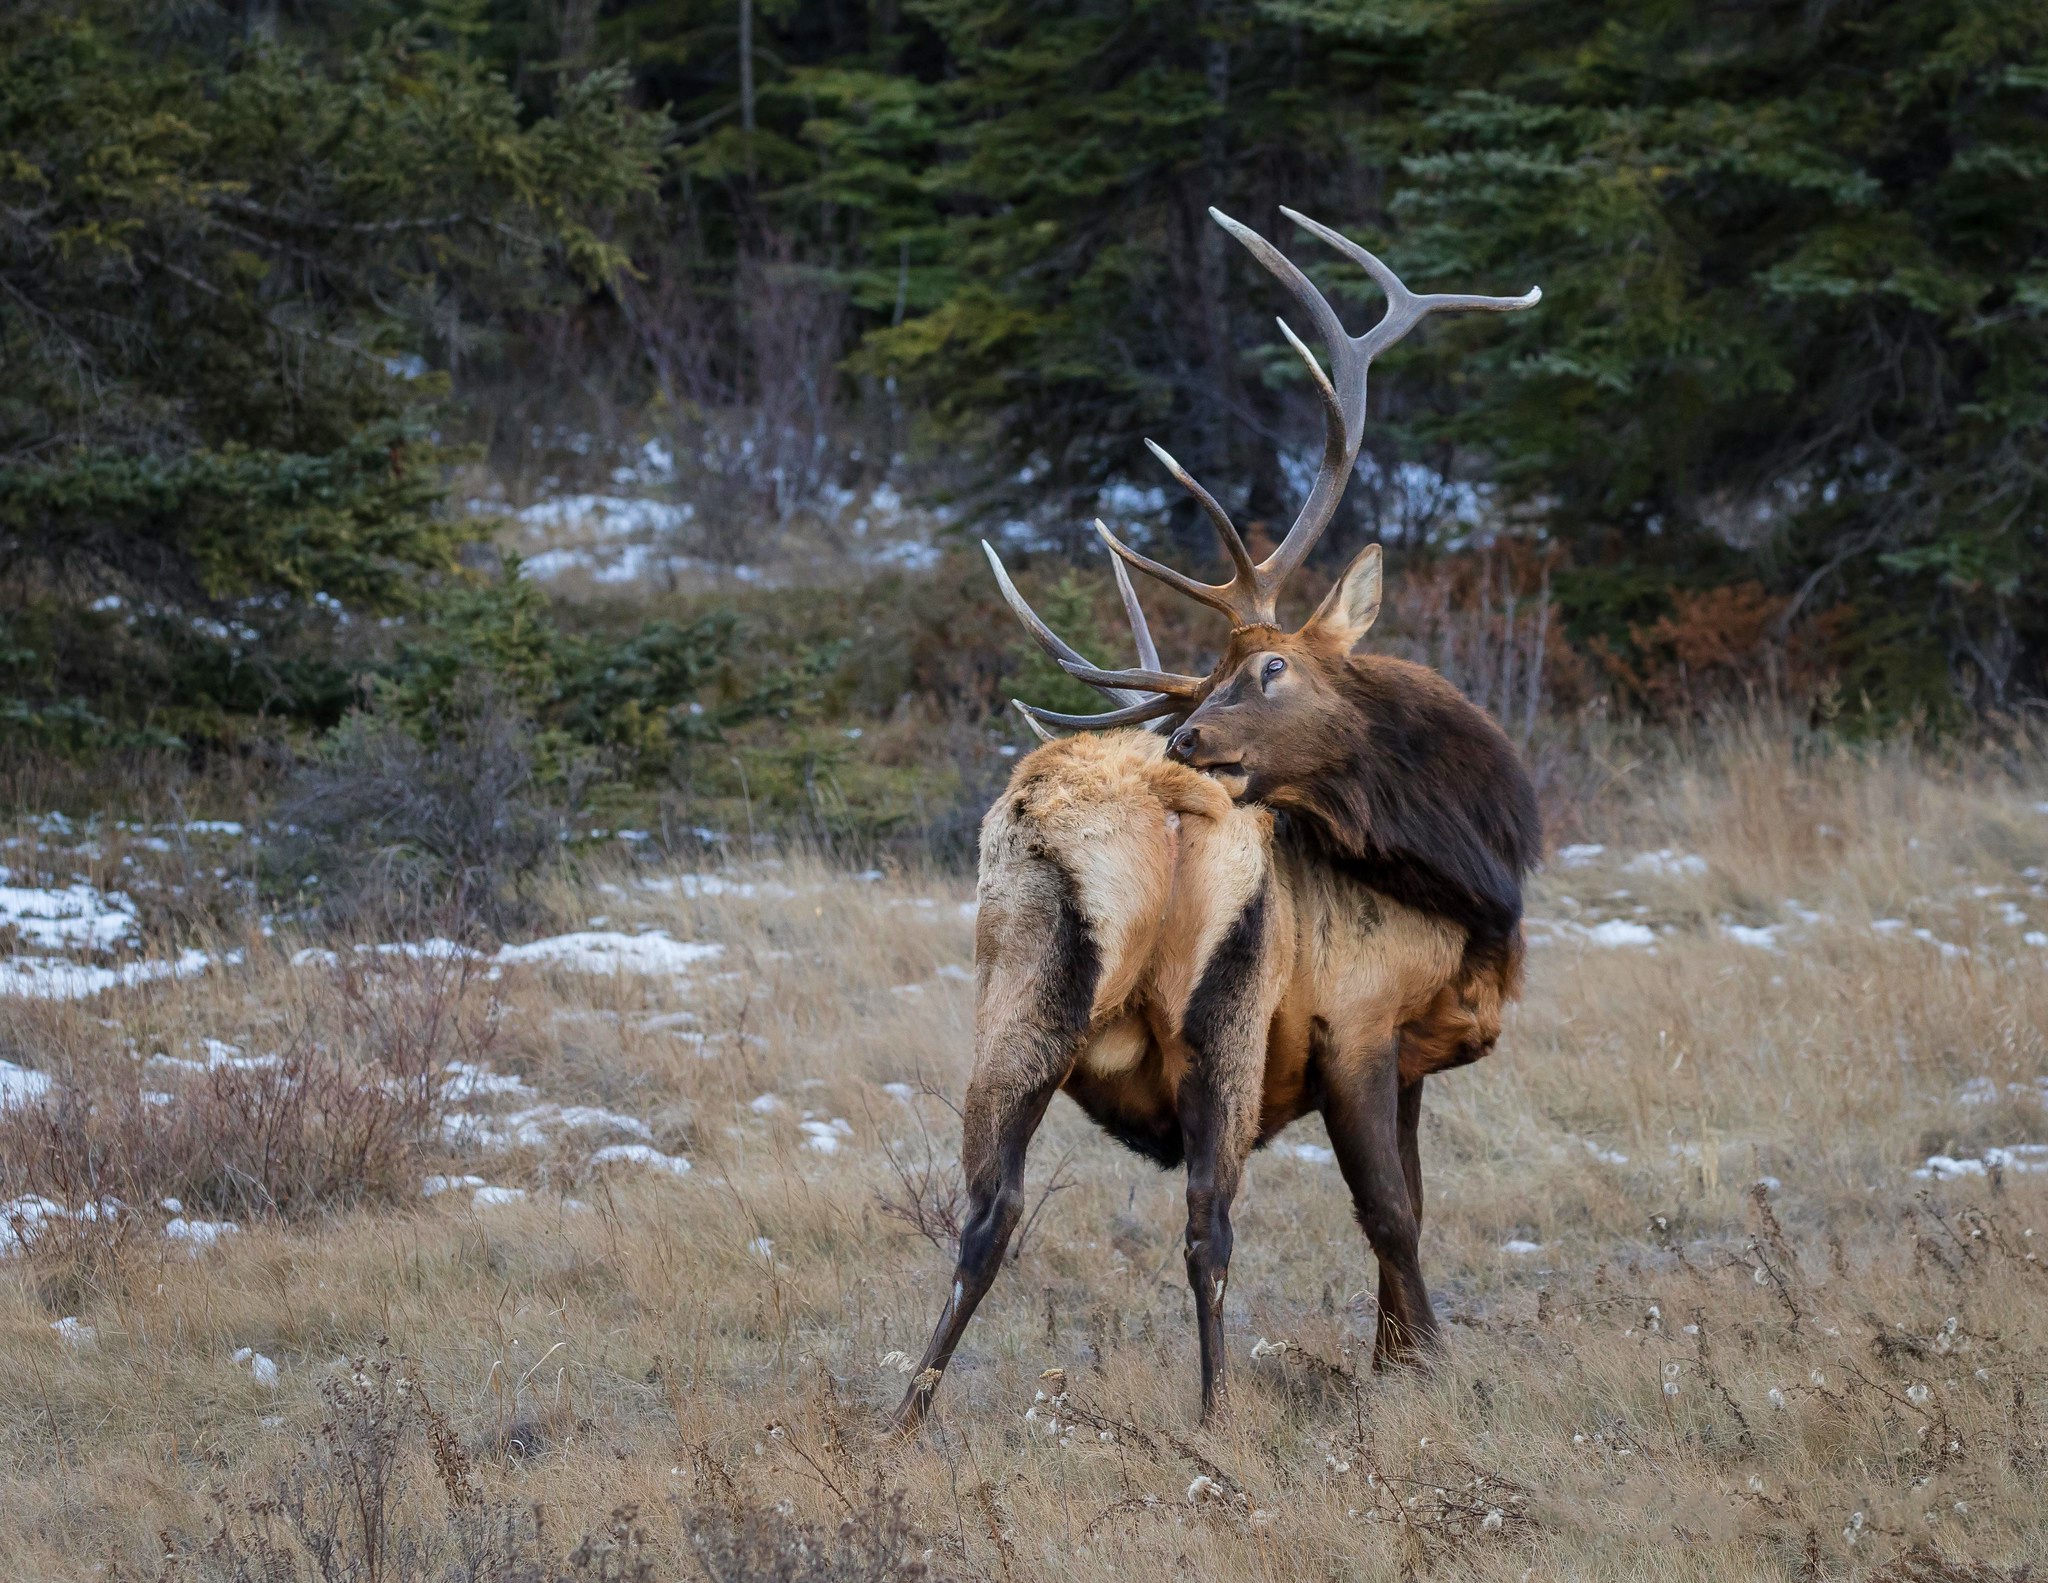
(739, 1540)
(339, 1115)
(1718, 648)
(1487, 621)
(383, 1492)
(455, 825)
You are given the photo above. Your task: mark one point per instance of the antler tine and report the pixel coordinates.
(1217, 597)
(1037, 730)
(1226, 530)
(1343, 392)
(1053, 644)
(1145, 683)
(1148, 651)
(1152, 709)
(1405, 308)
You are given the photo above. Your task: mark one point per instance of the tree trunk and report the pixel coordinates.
(747, 81)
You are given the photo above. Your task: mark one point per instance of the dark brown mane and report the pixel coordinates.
(1424, 798)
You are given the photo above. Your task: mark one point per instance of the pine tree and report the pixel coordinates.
(226, 269)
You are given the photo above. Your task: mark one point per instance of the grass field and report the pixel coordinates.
(1711, 1312)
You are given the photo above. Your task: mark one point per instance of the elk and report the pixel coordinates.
(1303, 894)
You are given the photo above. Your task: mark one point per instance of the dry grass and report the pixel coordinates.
(1690, 1378)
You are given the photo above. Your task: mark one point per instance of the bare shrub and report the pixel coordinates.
(454, 823)
(750, 373)
(740, 1540)
(342, 1114)
(383, 1493)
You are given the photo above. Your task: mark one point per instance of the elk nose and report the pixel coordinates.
(1181, 745)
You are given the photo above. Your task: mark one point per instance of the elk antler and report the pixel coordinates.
(1251, 597)
(1146, 694)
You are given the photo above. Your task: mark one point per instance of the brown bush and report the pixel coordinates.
(342, 1113)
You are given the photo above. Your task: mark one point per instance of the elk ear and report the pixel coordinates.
(1349, 609)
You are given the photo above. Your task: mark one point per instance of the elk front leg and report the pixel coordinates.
(1410, 1120)
(1372, 1118)
(1215, 1167)
(1224, 1030)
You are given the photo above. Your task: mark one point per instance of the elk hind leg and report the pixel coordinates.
(1038, 972)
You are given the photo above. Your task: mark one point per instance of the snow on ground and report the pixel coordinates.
(640, 1154)
(261, 1369)
(608, 951)
(2021, 1158)
(1667, 863)
(1613, 933)
(77, 916)
(55, 978)
(825, 1137)
(475, 1082)
(20, 1086)
(199, 1233)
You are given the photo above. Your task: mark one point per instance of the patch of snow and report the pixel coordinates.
(1983, 1091)
(640, 1154)
(21, 1085)
(77, 916)
(497, 1197)
(261, 1369)
(825, 1136)
(902, 1091)
(54, 978)
(606, 951)
(199, 1233)
(1667, 862)
(1580, 855)
(74, 1332)
(764, 1104)
(2020, 1158)
(1946, 947)
(591, 1118)
(474, 1082)
(2035, 937)
(612, 516)
(762, 1247)
(1313, 1153)
(433, 1186)
(1603, 1155)
(1520, 1245)
(533, 1127)
(1764, 938)
(21, 1218)
(1617, 932)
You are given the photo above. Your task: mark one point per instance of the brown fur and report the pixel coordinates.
(1232, 979)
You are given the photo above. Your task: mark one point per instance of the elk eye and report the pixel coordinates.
(1273, 667)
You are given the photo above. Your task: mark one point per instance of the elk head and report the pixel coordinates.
(1257, 721)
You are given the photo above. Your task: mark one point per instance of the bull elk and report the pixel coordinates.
(1303, 895)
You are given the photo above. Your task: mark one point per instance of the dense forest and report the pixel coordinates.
(274, 274)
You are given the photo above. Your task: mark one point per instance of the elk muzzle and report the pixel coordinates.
(1202, 747)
